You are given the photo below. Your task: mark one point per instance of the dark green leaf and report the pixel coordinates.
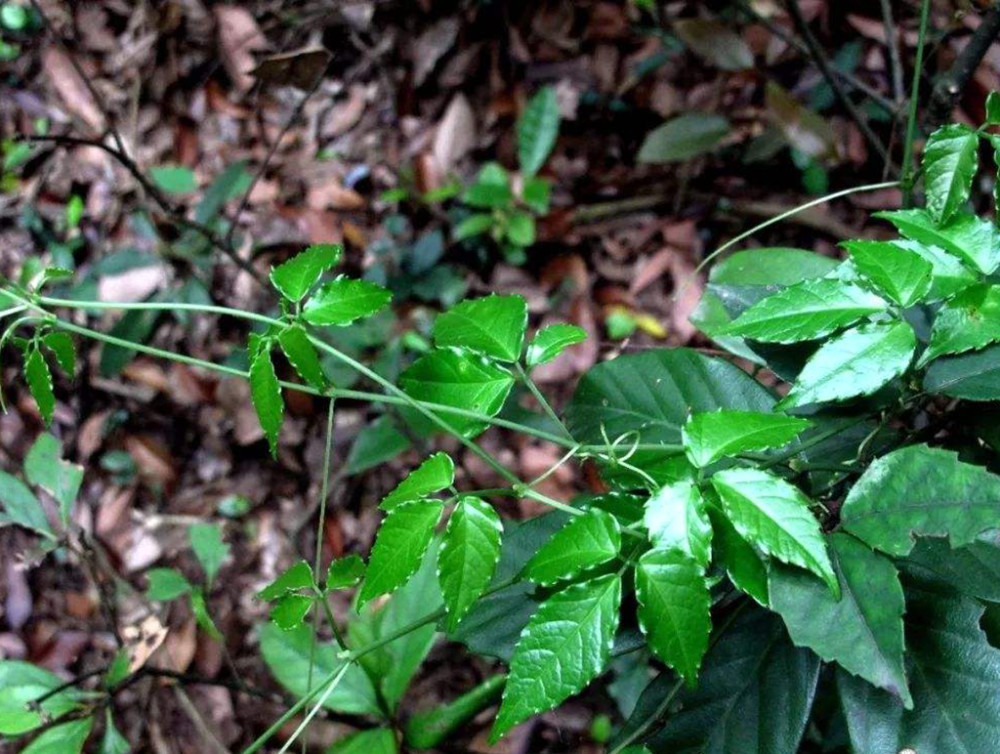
(744, 565)
(973, 570)
(39, 379)
(301, 354)
(113, 742)
(22, 507)
(292, 579)
(677, 517)
(400, 545)
(973, 376)
(294, 278)
(972, 239)
(993, 108)
(551, 341)
(377, 443)
(344, 300)
(588, 540)
(493, 326)
(62, 347)
(266, 394)
(899, 273)
(967, 322)
(537, 130)
(720, 434)
(344, 572)
(686, 136)
(951, 158)
(468, 556)
(427, 730)
(290, 610)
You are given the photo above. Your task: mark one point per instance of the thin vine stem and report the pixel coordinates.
(911, 122)
(541, 399)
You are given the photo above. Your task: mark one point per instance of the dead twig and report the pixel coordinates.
(949, 85)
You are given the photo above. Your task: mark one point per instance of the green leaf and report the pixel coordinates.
(62, 347)
(551, 341)
(374, 741)
(289, 655)
(296, 577)
(967, 322)
(473, 225)
(565, 645)
(468, 557)
(708, 437)
(953, 671)
(67, 738)
(744, 565)
(859, 362)
(344, 300)
(949, 275)
(211, 551)
(22, 507)
(427, 730)
(868, 638)
(174, 179)
(587, 541)
(344, 572)
(682, 138)
(921, 491)
(266, 394)
(294, 278)
(290, 610)
(301, 354)
(773, 515)
(993, 108)
(951, 159)
(458, 380)
(754, 694)
(113, 742)
(715, 42)
(537, 130)
(39, 379)
(521, 229)
(970, 238)
(493, 326)
(805, 311)
(973, 570)
(674, 604)
(377, 443)
(202, 617)
(491, 189)
(899, 273)
(399, 547)
(677, 517)
(973, 376)
(536, 194)
(166, 584)
(44, 467)
(21, 683)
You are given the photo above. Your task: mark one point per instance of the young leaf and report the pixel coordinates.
(565, 645)
(744, 565)
(551, 341)
(921, 491)
(468, 556)
(537, 130)
(707, 437)
(586, 541)
(344, 572)
(459, 380)
(211, 551)
(472, 226)
(166, 584)
(66, 738)
(859, 362)
(298, 576)
(22, 507)
(868, 640)
(290, 610)
(677, 517)
(899, 273)
(294, 278)
(967, 322)
(433, 475)
(972, 239)
(39, 379)
(493, 326)
(62, 347)
(674, 604)
(951, 158)
(399, 547)
(301, 354)
(44, 467)
(266, 394)
(774, 516)
(805, 311)
(344, 300)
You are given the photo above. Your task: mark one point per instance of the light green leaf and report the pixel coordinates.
(565, 645)
(805, 311)
(290, 610)
(266, 394)
(296, 577)
(537, 130)
(301, 354)
(399, 547)
(972, 239)
(21, 683)
(174, 179)
(468, 556)
(22, 507)
(899, 273)
(344, 572)
(491, 189)
(967, 322)
(113, 742)
(67, 738)
(949, 274)
(682, 138)
(44, 467)
(774, 516)
(199, 606)
(493, 326)
(374, 741)
(588, 540)
(921, 491)
(744, 565)
(166, 584)
(294, 278)
(859, 362)
(344, 300)
(39, 379)
(63, 348)
(551, 341)
(868, 640)
(708, 437)
(674, 604)
(211, 551)
(521, 229)
(951, 158)
(677, 517)
(473, 225)
(458, 380)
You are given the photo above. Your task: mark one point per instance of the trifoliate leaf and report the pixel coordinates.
(677, 517)
(707, 437)
(298, 275)
(493, 326)
(967, 322)
(433, 475)
(302, 355)
(972, 239)
(551, 341)
(266, 395)
(399, 547)
(586, 541)
(468, 557)
(344, 300)
(899, 273)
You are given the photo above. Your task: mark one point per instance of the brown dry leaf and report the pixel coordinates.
(180, 647)
(239, 38)
(152, 458)
(456, 134)
(71, 88)
(300, 68)
(142, 639)
(650, 270)
(332, 195)
(688, 290)
(431, 46)
(345, 115)
(18, 605)
(133, 285)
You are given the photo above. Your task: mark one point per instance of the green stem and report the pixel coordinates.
(911, 123)
(546, 406)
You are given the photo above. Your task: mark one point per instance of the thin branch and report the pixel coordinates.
(950, 84)
(895, 61)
